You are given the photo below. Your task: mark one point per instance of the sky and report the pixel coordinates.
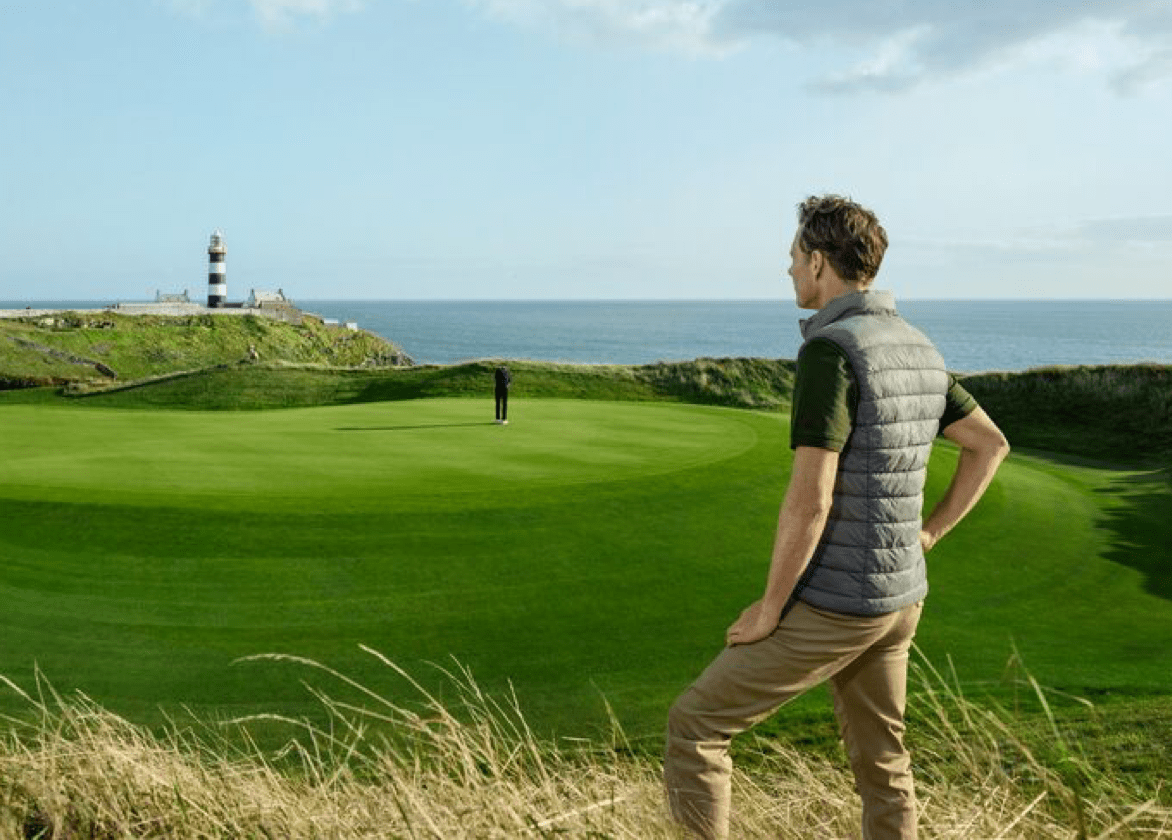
(580, 149)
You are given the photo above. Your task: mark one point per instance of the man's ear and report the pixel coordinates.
(817, 260)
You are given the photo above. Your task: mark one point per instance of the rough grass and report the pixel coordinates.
(1119, 413)
(472, 768)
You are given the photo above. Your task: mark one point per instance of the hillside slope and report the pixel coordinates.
(108, 347)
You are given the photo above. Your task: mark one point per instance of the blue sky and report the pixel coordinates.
(533, 149)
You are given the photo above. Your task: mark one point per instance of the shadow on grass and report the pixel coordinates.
(1141, 521)
(410, 428)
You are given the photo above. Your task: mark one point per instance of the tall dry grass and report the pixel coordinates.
(472, 768)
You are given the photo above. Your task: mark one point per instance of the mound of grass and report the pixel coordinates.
(143, 539)
(109, 347)
(1117, 413)
(744, 383)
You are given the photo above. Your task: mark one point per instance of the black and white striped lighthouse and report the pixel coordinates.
(217, 275)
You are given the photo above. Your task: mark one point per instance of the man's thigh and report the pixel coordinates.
(746, 683)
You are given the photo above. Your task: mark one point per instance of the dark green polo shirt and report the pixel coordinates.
(826, 398)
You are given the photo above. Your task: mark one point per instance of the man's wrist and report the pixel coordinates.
(773, 604)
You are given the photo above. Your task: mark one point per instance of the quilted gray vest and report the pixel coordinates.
(869, 560)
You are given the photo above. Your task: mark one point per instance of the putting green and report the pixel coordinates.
(352, 456)
(146, 550)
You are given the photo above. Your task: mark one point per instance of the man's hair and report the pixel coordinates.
(848, 234)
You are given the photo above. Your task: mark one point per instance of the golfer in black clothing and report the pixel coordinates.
(503, 380)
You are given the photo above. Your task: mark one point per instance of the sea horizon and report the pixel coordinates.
(973, 334)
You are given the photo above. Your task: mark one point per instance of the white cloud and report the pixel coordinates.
(899, 43)
(908, 42)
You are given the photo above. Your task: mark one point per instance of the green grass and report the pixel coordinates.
(589, 550)
(743, 383)
(147, 550)
(107, 347)
(1118, 413)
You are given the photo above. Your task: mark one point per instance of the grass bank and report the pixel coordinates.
(744, 383)
(107, 347)
(1117, 413)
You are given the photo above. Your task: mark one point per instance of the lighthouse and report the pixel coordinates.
(217, 276)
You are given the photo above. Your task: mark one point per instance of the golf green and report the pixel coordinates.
(588, 553)
(147, 550)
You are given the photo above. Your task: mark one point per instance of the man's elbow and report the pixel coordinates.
(815, 509)
(994, 450)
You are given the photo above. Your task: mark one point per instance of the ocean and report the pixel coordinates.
(972, 335)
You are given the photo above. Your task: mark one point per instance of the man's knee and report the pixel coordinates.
(887, 776)
(682, 719)
(691, 719)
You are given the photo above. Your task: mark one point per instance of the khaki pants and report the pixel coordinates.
(864, 657)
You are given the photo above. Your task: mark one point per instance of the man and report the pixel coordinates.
(847, 576)
(503, 380)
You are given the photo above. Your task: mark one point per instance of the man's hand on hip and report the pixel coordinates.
(755, 623)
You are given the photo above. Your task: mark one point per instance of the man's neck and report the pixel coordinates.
(838, 289)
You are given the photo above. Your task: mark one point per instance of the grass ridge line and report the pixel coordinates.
(1118, 413)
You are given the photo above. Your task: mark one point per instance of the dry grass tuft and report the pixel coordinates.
(473, 769)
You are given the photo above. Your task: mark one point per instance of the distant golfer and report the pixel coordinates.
(847, 576)
(503, 380)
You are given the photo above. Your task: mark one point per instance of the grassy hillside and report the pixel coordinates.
(107, 347)
(1116, 412)
(748, 383)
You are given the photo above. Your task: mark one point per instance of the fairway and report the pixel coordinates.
(588, 550)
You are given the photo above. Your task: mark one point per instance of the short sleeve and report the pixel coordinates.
(958, 404)
(825, 397)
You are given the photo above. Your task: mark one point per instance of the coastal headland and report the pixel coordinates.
(92, 348)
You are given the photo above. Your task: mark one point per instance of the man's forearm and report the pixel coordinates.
(799, 527)
(974, 472)
(800, 522)
(983, 448)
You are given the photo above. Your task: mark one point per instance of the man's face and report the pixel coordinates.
(800, 271)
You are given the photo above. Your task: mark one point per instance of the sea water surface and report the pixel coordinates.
(973, 336)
